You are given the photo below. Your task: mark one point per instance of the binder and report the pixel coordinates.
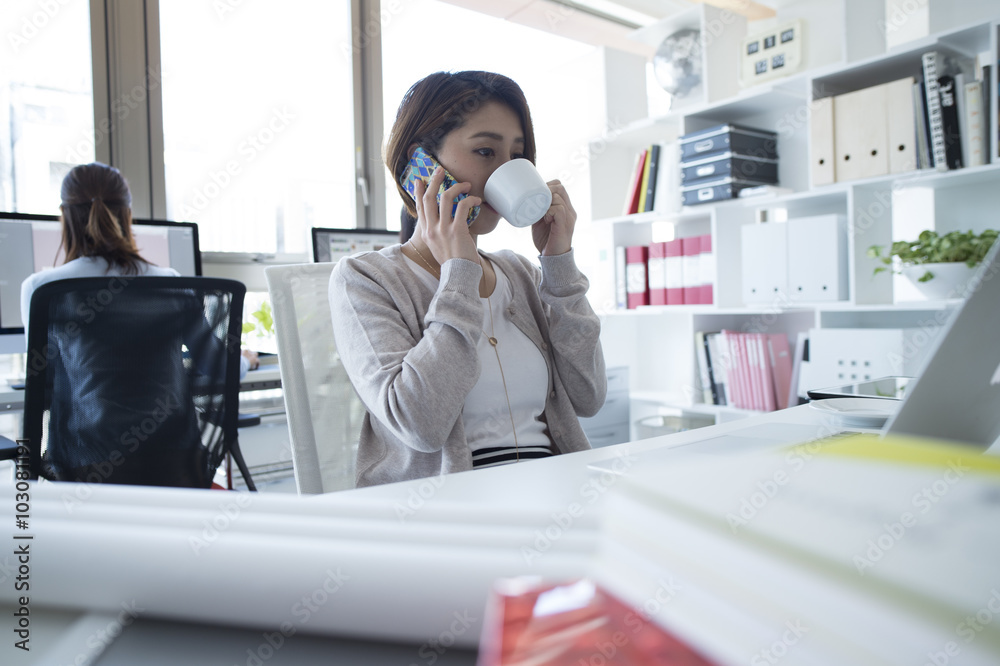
(691, 249)
(817, 258)
(654, 165)
(674, 265)
(668, 180)
(764, 251)
(706, 262)
(861, 134)
(634, 191)
(780, 358)
(924, 159)
(901, 125)
(644, 183)
(975, 124)
(931, 63)
(749, 363)
(708, 393)
(801, 356)
(727, 340)
(621, 287)
(821, 142)
(657, 273)
(718, 358)
(636, 280)
(766, 373)
(951, 128)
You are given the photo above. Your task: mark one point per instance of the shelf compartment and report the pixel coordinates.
(899, 63)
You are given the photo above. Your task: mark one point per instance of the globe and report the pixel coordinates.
(677, 64)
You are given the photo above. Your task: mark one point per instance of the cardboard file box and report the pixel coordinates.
(729, 165)
(729, 138)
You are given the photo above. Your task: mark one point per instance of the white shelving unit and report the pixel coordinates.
(657, 342)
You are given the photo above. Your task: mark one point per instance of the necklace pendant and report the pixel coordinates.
(493, 341)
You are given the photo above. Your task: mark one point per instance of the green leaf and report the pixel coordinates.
(930, 247)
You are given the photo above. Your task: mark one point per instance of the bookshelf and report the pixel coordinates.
(657, 342)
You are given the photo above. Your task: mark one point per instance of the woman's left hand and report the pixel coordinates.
(553, 234)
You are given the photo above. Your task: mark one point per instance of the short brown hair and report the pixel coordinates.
(97, 217)
(440, 103)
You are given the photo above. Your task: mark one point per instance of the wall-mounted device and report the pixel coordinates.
(774, 53)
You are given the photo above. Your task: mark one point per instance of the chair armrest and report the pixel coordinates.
(8, 448)
(248, 420)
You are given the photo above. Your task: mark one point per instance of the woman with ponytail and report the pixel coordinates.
(93, 403)
(96, 231)
(97, 236)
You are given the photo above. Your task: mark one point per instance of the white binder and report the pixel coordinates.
(817, 258)
(764, 254)
(821, 150)
(901, 125)
(860, 134)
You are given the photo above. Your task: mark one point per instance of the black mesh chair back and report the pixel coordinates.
(134, 380)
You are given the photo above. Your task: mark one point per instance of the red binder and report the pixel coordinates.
(691, 248)
(636, 278)
(766, 371)
(737, 390)
(753, 370)
(780, 357)
(635, 189)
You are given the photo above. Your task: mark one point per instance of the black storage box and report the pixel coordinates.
(728, 165)
(729, 139)
(714, 190)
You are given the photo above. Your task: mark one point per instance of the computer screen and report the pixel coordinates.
(30, 243)
(329, 245)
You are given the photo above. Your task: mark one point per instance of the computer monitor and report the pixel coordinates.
(30, 243)
(332, 244)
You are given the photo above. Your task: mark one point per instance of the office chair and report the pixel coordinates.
(8, 448)
(134, 380)
(324, 412)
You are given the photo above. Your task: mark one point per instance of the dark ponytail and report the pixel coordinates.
(97, 217)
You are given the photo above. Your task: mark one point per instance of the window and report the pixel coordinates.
(258, 120)
(556, 74)
(46, 100)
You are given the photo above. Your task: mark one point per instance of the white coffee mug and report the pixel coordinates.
(517, 191)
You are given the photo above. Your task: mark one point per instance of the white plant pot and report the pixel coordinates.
(949, 281)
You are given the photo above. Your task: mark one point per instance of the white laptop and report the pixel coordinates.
(956, 396)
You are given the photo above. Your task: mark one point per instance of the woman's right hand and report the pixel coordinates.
(446, 236)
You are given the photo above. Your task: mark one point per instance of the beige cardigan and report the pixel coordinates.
(411, 354)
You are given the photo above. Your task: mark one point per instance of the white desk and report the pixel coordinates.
(416, 555)
(265, 377)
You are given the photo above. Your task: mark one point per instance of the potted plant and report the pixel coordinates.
(263, 330)
(938, 265)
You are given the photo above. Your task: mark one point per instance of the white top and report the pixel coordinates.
(486, 415)
(78, 268)
(90, 267)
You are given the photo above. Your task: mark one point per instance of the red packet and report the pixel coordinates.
(573, 624)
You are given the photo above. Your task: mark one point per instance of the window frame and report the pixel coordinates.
(128, 103)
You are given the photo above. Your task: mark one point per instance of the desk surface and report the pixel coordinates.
(418, 551)
(265, 377)
(483, 520)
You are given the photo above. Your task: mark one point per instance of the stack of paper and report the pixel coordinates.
(858, 551)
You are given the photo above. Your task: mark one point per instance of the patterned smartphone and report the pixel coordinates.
(421, 167)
